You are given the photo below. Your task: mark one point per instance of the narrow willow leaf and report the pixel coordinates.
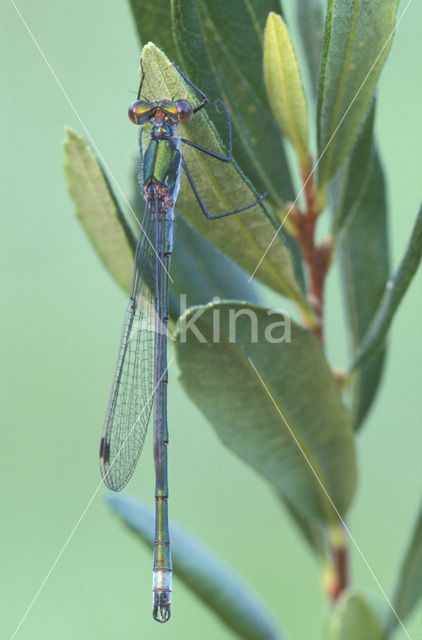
(303, 445)
(353, 619)
(244, 237)
(203, 573)
(395, 290)
(364, 261)
(198, 269)
(153, 22)
(220, 44)
(409, 586)
(357, 40)
(351, 179)
(311, 23)
(98, 210)
(284, 86)
(365, 386)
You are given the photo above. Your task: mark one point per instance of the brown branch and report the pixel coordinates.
(337, 579)
(317, 257)
(341, 572)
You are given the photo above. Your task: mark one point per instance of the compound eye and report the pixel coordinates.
(184, 111)
(139, 112)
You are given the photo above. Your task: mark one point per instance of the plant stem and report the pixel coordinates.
(317, 257)
(339, 578)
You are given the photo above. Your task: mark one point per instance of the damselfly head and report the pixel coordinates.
(176, 112)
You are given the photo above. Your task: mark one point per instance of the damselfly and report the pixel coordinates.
(140, 379)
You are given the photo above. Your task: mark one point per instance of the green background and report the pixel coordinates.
(60, 325)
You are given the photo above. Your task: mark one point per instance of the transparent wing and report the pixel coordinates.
(132, 393)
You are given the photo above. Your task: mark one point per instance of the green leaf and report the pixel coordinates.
(98, 209)
(153, 22)
(357, 40)
(203, 573)
(303, 444)
(244, 237)
(354, 620)
(202, 272)
(350, 181)
(220, 44)
(284, 86)
(365, 387)
(358, 191)
(394, 293)
(310, 22)
(364, 262)
(409, 586)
